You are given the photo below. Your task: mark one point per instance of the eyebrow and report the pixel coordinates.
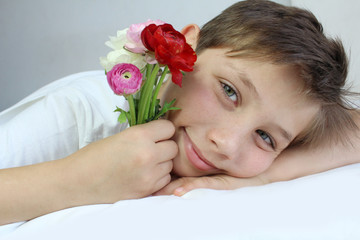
(285, 134)
(243, 77)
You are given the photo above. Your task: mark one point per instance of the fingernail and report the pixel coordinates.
(179, 191)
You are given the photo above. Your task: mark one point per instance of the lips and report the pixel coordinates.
(194, 155)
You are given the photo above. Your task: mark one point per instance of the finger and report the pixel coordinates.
(162, 182)
(166, 150)
(157, 130)
(162, 171)
(170, 188)
(213, 182)
(166, 167)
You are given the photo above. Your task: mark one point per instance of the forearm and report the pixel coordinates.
(301, 161)
(31, 191)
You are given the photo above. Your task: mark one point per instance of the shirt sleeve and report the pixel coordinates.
(64, 117)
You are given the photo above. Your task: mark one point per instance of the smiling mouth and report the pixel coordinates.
(194, 155)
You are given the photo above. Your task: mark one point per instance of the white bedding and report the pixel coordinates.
(322, 206)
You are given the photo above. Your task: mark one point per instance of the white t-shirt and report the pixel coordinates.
(59, 119)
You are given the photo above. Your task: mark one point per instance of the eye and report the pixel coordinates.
(266, 137)
(230, 92)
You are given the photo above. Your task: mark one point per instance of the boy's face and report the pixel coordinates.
(236, 115)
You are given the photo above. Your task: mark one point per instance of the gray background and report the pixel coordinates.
(44, 40)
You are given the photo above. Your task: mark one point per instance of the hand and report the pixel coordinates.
(183, 185)
(131, 164)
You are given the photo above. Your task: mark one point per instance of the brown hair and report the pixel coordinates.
(293, 36)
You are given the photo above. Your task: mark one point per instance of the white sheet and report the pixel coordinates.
(322, 206)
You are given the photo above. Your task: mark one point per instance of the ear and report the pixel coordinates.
(191, 33)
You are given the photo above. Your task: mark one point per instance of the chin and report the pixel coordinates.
(182, 170)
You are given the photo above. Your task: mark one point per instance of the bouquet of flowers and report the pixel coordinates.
(142, 56)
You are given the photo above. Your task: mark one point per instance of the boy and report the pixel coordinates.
(293, 38)
(267, 85)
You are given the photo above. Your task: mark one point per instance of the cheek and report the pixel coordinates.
(205, 103)
(254, 164)
(199, 99)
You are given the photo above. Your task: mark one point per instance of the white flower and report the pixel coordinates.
(119, 41)
(120, 55)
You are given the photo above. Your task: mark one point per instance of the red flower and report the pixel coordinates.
(170, 49)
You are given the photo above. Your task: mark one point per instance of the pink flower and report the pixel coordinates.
(124, 78)
(133, 35)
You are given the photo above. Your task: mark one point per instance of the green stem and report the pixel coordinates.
(132, 120)
(146, 93)
(141, 104)
(156, 92)
(150, 90)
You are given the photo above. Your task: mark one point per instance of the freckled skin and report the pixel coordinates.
(225, 132)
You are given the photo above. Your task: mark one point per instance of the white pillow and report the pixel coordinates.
(322, 206)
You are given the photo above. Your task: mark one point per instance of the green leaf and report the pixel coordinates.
(118, 109)
(122, 117)
(165, 108)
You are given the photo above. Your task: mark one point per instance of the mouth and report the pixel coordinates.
(194, 155)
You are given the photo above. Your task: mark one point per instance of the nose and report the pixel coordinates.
(227, 141)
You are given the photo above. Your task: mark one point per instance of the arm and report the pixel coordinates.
(299, 162)
(31, 191)
(126, 165)
(290, 164)
(303, 161)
